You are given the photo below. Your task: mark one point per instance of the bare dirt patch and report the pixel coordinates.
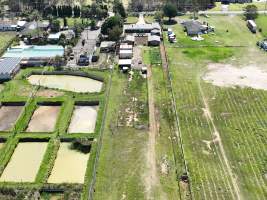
(8, 116)
(49, 93)
(225, 75)
(83, 119)
(44, 119)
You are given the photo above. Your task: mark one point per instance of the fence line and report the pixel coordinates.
(99, 145)
(179, 134)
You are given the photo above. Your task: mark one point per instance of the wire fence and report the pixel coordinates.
(99, 145)
(177, 127)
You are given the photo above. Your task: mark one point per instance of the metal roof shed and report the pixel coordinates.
(8, 68)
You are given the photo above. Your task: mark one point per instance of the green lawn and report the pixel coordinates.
(238, 6)
(242, 133)
(261, 22)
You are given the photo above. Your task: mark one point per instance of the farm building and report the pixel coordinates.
(124, 54)
(125, 63)
(129, 39)
(153, 40)
(54, 37)
(8, 68)
(141, 28)
(107, 46)
(155, 32)
(7, 26)
(125, 46)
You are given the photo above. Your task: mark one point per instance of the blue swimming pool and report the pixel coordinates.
(47, 51)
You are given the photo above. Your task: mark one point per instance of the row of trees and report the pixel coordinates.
(63, 11)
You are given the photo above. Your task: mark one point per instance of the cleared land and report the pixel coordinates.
(25, 162)
(70, 165)
(8, 116)
(44, 119)
(83, 119)
(68, 83)
(223, 128)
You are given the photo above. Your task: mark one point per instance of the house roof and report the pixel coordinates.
(7, 65)
(137, 27)
(193, 27)
(107, 44)
(126, 46)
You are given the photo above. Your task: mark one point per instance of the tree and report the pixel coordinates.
(93, 24)
(65, 22)
(55, 26)
(58, 63)
(110, 23)
(251, 12)
(170, 10)
(118, 8)
(158, 16)
(115, 33)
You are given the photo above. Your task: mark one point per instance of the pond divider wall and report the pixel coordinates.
(63, 139)
(69, 73)
(86, 103)
(34, 139)
(50, 103)
(10, 103)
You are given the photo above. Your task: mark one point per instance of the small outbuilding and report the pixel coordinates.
(194, 28)
(126, 54)
(153, 40)
(8, 68)
(125, 63)
(129, 39)
(125, 46)
(107, 46)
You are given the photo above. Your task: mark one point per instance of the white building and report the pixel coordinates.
(126, 54)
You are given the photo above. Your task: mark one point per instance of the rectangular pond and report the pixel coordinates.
(70, 165)
(8, 116)
(44, 119)
(25, 162)
(83, 119)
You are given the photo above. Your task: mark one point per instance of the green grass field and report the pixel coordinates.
(238, 6)
(5, 40)
(242, 132)
(261, 22)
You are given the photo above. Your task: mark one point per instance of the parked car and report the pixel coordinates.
(262, 45)
(83, 60)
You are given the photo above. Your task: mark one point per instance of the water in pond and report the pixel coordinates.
(8, 116)
(44, 119)
(67, 82)
(25, 162)
(83, 119)
(70, 165)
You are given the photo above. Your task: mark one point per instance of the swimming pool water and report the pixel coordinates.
(35, 51)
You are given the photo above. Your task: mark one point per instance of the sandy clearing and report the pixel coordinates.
(83, 119)
(8, 116)
(44, 119)
(225, 75)
(1, 145)
(25, 162)
(67, 82)
(70, 165)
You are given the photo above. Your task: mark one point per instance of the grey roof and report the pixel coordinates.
(193, 27)
(130, 38)
(107, 44)
(7, 65)
(153, 38)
